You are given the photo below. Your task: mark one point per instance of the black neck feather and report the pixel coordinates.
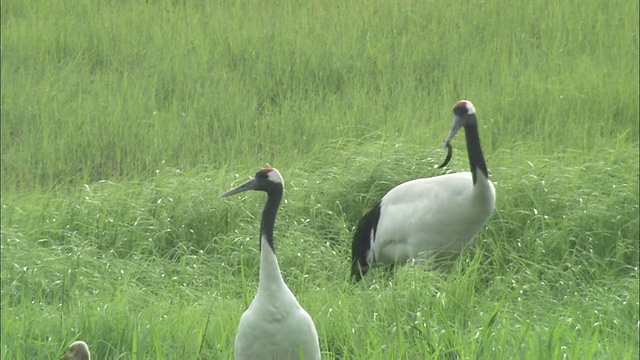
(476, 159)
(274, 196)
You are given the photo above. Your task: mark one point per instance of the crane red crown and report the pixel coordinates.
(462, 103)
(467, 105)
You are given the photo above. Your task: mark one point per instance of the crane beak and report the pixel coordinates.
(455, 126)
(249, 185)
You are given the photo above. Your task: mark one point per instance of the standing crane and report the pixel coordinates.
(274, 326)
(436, 216)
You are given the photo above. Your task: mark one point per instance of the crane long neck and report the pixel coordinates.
(476, 159)
(271, 283)
(269, 217)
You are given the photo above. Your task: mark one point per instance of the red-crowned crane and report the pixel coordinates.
(436, 216)
(78, 350)
(274, 326)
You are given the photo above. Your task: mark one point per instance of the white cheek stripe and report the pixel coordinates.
(470, 108)
(275, 177)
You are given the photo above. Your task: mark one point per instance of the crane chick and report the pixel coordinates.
(78, 350)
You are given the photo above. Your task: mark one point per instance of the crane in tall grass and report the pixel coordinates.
(274, 326)
(436, 216)
(78, 350)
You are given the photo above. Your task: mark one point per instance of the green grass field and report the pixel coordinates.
(124, 121)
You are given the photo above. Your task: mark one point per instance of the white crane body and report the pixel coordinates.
(416, 229)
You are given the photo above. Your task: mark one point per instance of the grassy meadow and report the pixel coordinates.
(124, 121)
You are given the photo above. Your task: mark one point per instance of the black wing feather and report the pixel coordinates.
(362, 242)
